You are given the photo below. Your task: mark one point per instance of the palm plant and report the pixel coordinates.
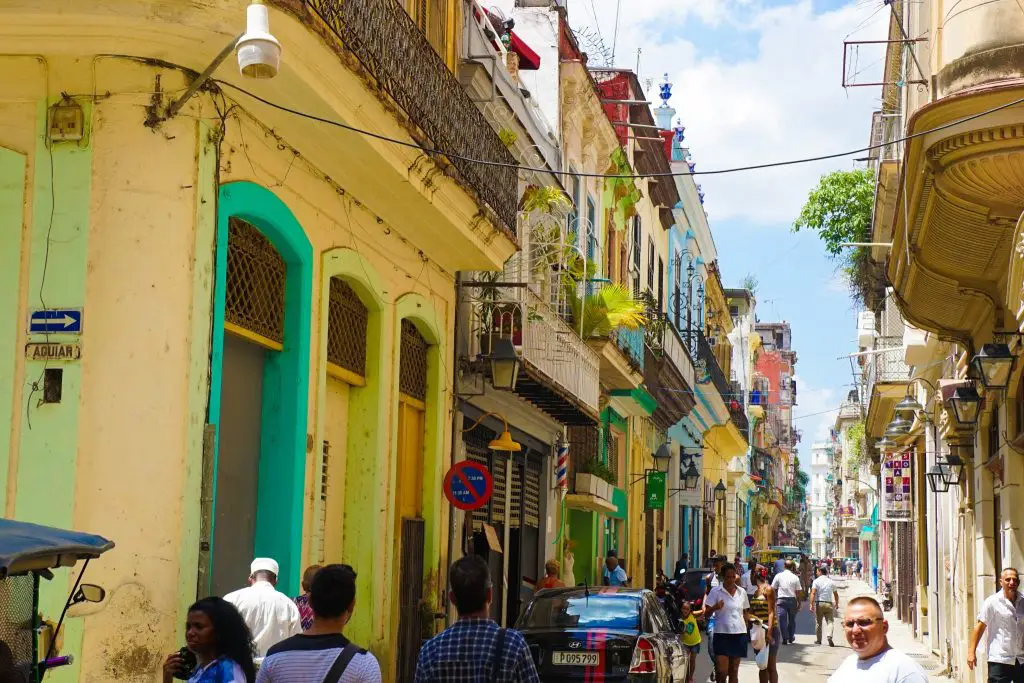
(608, 309)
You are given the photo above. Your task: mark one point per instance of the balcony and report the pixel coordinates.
(886, 375)
(397, 54)
(668, 372)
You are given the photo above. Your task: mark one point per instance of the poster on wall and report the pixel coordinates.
(897, 489)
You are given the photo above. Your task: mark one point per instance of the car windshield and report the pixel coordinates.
(620, 612)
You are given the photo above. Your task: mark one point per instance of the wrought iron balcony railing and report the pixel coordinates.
(396, 52)
(631, 342)
(707, 363)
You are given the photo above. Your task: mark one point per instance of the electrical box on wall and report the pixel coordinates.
(67, 122)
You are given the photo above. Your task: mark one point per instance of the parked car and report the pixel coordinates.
(602, 633)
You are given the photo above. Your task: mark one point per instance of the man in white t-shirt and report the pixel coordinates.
(787, 590)
(1001, 615)
(824, 603)
(873, 659)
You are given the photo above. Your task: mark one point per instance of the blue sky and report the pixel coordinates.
(755, 82)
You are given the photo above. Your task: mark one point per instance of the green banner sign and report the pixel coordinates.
(654, 493)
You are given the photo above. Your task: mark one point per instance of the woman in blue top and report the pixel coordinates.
(217, 635)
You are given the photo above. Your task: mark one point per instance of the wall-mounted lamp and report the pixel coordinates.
(992, 365)
(504, 441)
(966, 404)
(505, 364)
(937, 480)
(720, 491)
(663, 457)
(898, 428)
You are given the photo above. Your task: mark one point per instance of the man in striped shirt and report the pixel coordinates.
(310, 656)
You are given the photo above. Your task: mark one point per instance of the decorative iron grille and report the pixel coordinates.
(398, 54)
(17, 624)
(347, 322)
(254, 298)
(412, 366)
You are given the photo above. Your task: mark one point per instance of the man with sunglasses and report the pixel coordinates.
(1002, 615)
(873, 659)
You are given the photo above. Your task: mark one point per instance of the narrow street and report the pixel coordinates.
(806, 662)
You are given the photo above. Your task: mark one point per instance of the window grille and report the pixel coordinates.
(347, 323)
(412, 364)
(650, 265)
(322, 521)
(254, 297)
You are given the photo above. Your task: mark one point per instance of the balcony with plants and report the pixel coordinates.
(669, 372)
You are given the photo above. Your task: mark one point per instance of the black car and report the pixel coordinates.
(602, 633)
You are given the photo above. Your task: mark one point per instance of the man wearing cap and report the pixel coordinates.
(271, 615)
(873, 659)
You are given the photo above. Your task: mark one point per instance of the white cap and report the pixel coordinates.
(264, 564)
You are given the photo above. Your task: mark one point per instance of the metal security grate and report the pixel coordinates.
(322, 521)
(347, 323)
(531, 496)
(17, 623)
(254, 299)
(516, 502)
(410, 596)
(412, 367)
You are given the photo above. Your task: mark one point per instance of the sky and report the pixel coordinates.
(754, 82)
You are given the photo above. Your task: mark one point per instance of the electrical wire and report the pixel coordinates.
(635, 176)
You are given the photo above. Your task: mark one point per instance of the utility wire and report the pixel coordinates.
(636, 176)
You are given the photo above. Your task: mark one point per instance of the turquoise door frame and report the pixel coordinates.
(282, 468)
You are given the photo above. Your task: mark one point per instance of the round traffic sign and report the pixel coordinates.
(468, 485)
(749, 541)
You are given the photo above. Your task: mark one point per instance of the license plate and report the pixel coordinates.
(584, 658)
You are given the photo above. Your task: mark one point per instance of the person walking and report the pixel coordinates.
(731, 608)
(302, 601)
(873, 659)
(763, 608)
(613, 574)
(271, 615)
(1001, 616)
(689, 633)
(824, 602)
(747, 578)
(474, 649)
(322, 652)
(681, 566)
(787, 589)
(220, 640)
(712, 581)
(551, 580)
(806, 573)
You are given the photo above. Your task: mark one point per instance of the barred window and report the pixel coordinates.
(254, 297)
(412, 364)
(347, 323)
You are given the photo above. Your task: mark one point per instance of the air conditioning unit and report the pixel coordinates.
(866, 329)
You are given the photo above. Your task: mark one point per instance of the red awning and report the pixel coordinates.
(528, 59)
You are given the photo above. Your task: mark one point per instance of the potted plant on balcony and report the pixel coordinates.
(610, 308)
(596, 478)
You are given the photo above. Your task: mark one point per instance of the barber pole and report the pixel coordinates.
(562, 467)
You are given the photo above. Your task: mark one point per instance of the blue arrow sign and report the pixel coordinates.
(55, 320)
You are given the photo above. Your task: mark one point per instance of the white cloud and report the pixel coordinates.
(782, 101)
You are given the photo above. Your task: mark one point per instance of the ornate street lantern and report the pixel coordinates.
(937, 480)
(720, 491)
(966, 405)
(504, 364)
(992, 365)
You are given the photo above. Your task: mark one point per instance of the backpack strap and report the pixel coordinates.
(496, 656)
(341, 663)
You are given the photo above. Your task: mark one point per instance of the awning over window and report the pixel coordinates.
(528, 59)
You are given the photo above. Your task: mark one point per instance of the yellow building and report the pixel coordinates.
(267, 304)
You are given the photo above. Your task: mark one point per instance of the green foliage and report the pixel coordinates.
(839, 209)
(543, 198)
(751, 283)
(507, 137)
(599, 469)
(855, 437)
(608, 309)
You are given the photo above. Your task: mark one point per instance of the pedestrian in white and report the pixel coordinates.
(271, 615)
(787, 589)
(824, 603)
(1001, 615)
(873, 659)
(746, 580)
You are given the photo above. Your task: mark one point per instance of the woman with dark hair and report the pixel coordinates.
(729, 603)
(221, 642)
(762, 608)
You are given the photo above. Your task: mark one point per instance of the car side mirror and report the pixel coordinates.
(89, 592)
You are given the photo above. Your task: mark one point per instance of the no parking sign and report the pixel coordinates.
(468, 485)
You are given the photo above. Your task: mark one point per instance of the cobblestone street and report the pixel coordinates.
(807, 662)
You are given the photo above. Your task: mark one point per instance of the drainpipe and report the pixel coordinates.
(506, 532)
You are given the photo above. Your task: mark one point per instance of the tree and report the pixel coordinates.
(750, 283)
(840, 209)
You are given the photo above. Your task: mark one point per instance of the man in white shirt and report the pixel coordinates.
(1001, 615)
(824, 603)
(787, 589)
(746, 580)
(873, 659)
(270, 615)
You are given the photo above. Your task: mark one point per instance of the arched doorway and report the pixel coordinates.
(258, 387)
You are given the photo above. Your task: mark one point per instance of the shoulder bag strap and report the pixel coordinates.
(496, 656)
(341, 663)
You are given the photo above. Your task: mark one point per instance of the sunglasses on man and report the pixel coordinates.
(863, 623)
